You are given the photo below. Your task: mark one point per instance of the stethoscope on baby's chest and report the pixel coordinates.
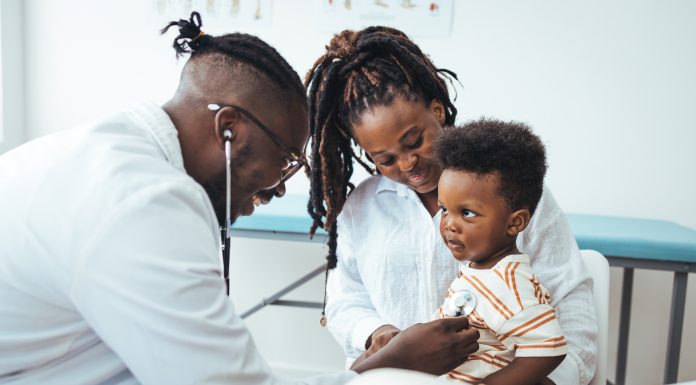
(460, 303)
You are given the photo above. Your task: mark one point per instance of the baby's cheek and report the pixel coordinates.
(442, 229)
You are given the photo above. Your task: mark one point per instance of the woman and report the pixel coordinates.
(375, 88)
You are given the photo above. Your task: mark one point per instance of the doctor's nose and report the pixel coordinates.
(279, 190)
(265, 196)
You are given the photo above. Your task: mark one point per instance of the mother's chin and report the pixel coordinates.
(423, 180)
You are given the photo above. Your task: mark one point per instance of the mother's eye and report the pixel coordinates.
(416, 144)
(387, 162)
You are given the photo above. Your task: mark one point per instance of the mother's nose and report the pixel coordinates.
(407, 162)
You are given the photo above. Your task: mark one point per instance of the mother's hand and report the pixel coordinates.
(380, 338)
(377, 341)
(435, 347)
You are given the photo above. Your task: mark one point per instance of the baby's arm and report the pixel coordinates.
(526, 371)
(533, 332)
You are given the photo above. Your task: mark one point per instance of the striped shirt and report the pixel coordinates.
(513, 315)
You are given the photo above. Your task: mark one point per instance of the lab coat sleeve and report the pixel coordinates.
(148, 282)
(351, 316)
(557, 263)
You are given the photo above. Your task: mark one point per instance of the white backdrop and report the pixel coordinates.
(609, 86)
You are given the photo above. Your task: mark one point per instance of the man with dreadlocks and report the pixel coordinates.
(110, 270)
(376, 89)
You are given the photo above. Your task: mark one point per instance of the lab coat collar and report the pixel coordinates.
(160, 125)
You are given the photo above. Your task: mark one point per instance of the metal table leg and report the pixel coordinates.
(624, 324)
(275, 298)
(676, 322)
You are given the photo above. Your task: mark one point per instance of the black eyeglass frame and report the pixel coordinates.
(297, 159)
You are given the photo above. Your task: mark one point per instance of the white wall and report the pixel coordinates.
(11, 75)
(609, 86)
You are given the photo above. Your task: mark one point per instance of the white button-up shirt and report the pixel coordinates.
(393, 268)
(110, 271)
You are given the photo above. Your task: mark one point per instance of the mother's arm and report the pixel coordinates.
(557, 263)
(351, 316)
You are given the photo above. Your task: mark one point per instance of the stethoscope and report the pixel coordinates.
(226, 230)
(461, 303)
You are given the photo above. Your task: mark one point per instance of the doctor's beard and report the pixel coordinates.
(216, 193)
(242, 187)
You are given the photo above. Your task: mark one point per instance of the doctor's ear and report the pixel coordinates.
(226, 120)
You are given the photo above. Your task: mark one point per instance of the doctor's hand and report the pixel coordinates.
(435, 347)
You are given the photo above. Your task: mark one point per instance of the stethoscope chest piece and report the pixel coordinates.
(462, 303)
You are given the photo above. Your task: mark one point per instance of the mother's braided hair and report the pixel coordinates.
(360, 70)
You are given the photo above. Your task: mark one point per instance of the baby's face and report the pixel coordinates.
(474, 222)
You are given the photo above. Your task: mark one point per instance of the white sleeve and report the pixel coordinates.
(148, 282)
(558, 265)
(351, 316)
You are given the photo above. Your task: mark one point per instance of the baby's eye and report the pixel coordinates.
(468, 214)
(444, 209)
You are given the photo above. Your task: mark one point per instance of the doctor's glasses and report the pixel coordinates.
(294, 160)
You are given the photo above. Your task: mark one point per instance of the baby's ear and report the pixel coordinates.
(518, 222)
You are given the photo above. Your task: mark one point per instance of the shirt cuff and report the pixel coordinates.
(567, 373)
(364, 329)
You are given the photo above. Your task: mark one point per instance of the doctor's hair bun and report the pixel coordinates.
(191, 37)
(241, 48)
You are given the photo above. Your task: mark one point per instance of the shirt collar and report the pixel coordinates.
(401, 190)
(160, 125)
(386, 184)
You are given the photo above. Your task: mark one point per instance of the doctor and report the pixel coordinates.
(110, 270)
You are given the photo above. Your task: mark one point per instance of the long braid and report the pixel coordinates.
(241, 47)
(359, 70)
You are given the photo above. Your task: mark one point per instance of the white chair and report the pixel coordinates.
(599, 271)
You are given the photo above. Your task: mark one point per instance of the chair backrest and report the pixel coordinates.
(599, 271)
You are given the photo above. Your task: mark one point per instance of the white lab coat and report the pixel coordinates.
(110, 269)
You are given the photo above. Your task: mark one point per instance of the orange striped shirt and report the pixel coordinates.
(513, 316)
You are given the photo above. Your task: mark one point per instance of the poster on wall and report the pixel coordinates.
(418, 18)
(220, 14)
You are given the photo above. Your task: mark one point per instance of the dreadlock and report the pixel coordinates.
(241, 47)
(360, 70)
